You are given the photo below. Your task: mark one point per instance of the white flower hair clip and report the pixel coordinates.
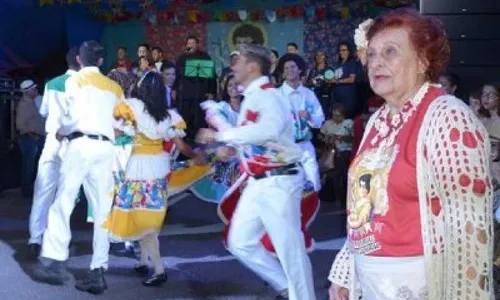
(360, 34)
(360, 38)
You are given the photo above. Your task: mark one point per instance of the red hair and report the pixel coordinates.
(426, 34)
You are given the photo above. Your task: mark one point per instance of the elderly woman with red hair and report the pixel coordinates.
(419, 204)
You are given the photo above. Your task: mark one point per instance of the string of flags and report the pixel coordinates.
(175, 12)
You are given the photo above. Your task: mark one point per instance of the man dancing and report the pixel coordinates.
(306, 111)
(271, 200)
(88, 126)
(50, 162)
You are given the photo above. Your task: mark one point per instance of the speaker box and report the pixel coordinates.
(473, 29)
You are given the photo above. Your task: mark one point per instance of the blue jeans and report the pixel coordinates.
(30, 151)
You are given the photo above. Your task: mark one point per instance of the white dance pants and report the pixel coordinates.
(45, 188)
(272, 205)
(87, 162)
(310, 164)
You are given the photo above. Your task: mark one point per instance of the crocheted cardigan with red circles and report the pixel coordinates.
(458, 238)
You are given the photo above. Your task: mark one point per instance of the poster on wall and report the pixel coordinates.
(223, 38)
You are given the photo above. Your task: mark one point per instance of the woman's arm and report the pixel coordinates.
(184, 147)
(350, 79)
(456, 151)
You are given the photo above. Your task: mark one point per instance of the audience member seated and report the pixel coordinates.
(337, 135)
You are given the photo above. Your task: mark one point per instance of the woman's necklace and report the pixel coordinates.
(386, 132)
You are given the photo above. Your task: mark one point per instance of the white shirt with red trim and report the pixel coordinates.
(264, 134)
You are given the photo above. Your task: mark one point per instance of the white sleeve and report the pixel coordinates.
(271, 121)
(214, 116)
(44, 107)
(317, 114)
(69, 116)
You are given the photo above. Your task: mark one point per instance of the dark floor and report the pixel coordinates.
(197, 264)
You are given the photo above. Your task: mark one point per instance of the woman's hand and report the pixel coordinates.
(199, 159)
(337, 292)
(224, 153)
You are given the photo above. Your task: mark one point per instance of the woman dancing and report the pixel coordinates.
(141, 198)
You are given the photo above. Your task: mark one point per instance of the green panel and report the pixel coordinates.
(199, 68)
(125, 34)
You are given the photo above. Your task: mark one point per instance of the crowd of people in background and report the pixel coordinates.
(331, 103)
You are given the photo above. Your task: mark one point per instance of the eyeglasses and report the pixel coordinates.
(490, 95)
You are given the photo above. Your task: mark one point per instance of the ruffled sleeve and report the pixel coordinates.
(125, 119)
(177, 125)
(215, 115)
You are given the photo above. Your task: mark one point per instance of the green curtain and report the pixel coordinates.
(125, 34)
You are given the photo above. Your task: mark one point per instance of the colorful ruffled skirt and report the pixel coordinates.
(212, 188)
(140, 198)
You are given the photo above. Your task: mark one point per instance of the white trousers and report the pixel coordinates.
(45, 188)
(272, 205)
(87, 162)
(310, 164)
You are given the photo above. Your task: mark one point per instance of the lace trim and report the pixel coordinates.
(386, 134)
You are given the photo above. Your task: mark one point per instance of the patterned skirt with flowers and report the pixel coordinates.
(212, 188)
(140, 200)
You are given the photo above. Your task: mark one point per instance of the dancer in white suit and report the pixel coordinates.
(306, 111)
(88, 126)
(52, 108)
(271, 199)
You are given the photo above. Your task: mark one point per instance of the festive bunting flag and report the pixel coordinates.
(193, 16)
(242, 14)
(320, 13)
(132, 6)
(310, 12)
(344, 13)
(147, 4)
(46, 2)
(162, 4)
(271, 15)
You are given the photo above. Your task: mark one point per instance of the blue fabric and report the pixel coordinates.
(30, 150)
(346, 93)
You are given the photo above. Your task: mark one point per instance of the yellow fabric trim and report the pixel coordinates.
(184, 178)
(180, 125)
(134, 223)
(144, 145)
(123, 111)
(99, 81)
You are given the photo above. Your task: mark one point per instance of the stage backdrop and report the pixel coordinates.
(222, 37)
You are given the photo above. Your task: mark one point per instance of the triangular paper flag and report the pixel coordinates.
(242, 14)
(46, 2)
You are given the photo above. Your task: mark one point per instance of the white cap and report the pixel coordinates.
(234, 53)
(27, 85)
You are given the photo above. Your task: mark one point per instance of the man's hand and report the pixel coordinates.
(337, 292)
(205, 136)
(59, 135)
(304, 115)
